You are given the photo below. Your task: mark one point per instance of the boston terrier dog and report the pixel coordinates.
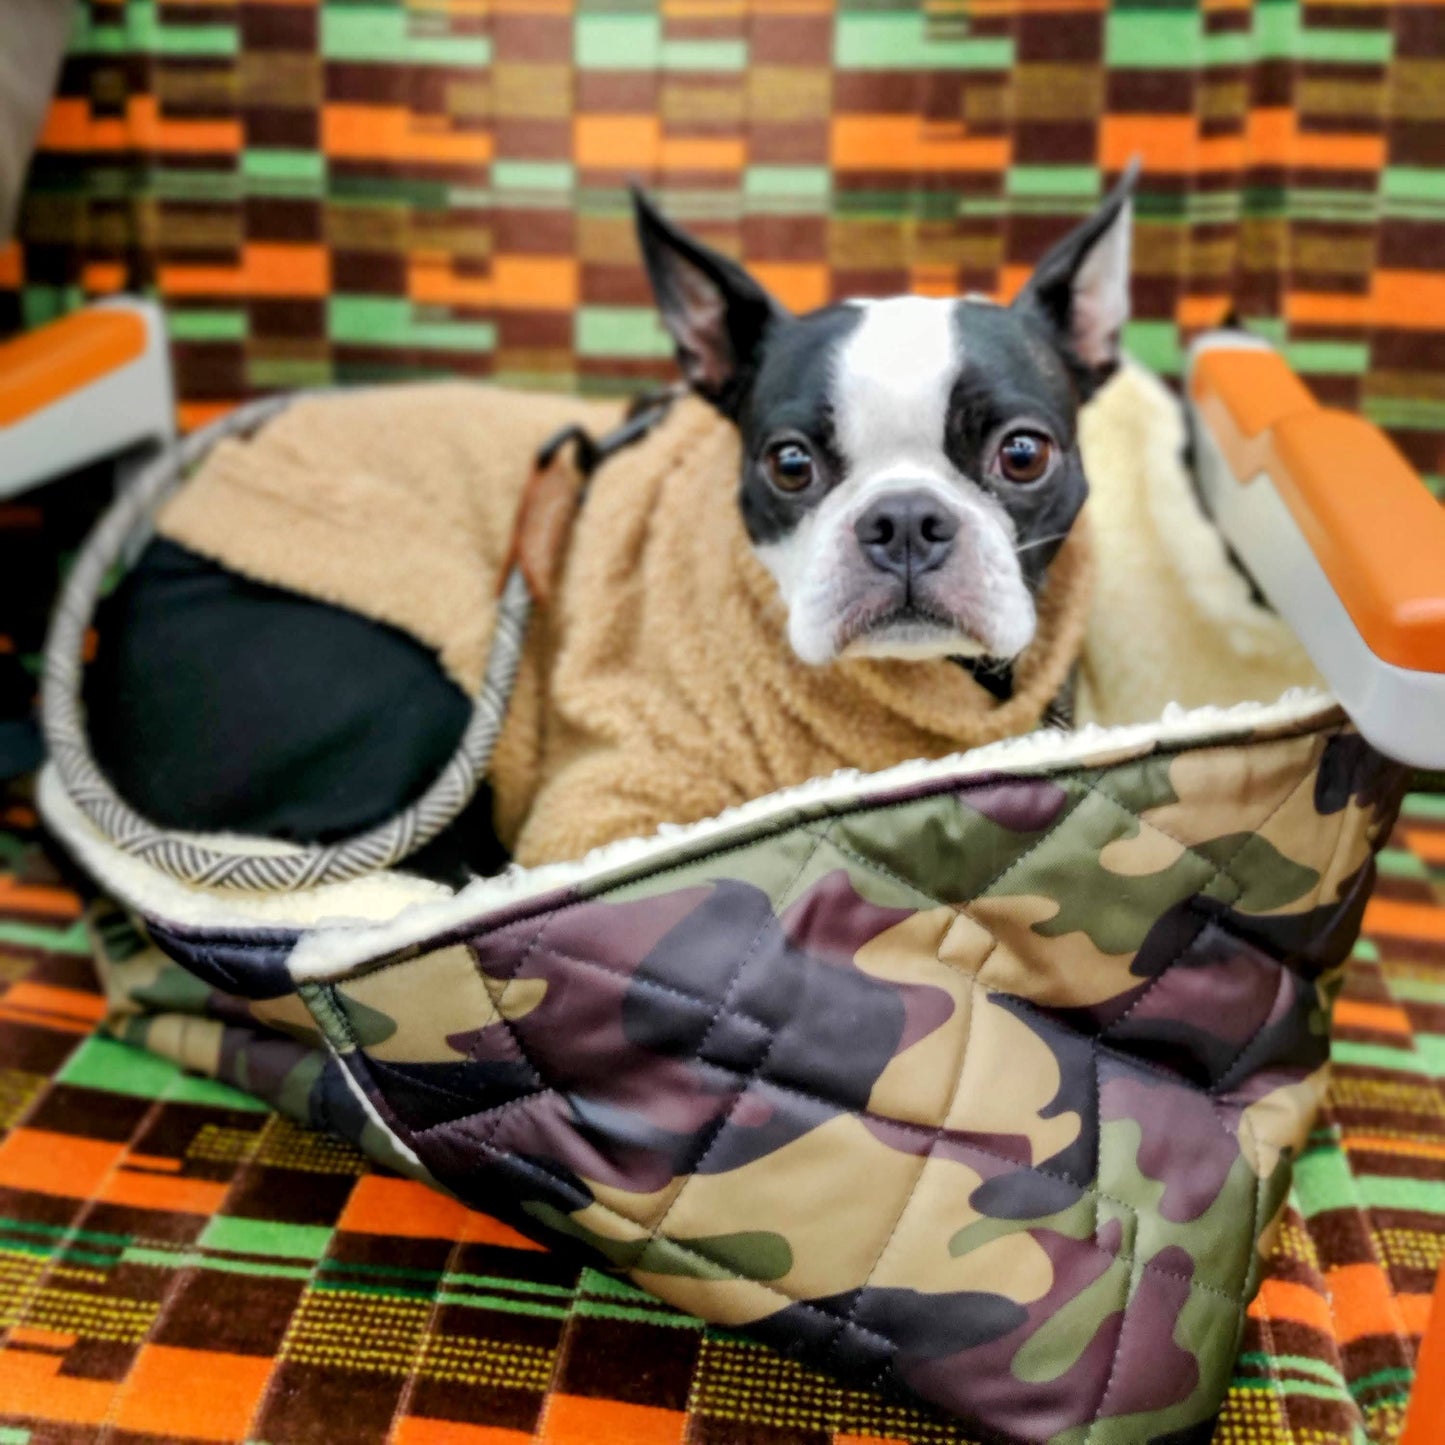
(910, 466)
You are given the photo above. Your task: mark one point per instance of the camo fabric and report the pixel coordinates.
(986, 1091)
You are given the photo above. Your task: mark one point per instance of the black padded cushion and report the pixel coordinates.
(219, 704)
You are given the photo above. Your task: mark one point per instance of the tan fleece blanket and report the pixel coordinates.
(658, 685)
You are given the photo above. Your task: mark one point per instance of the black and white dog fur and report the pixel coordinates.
(910, 466)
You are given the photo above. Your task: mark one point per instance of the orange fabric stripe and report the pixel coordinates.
(933, 280)
(1011, 280)
(1280, 1299)
(266, 269)
(1405, 920)
(153, 1162)
(1429, 847)
(69, 1003)
(70, 126)
(903, 143)
(417, 1430)
(12, 264)
(797, 284)
(153, 132)
(1355, 1014)
(402, 1206)
(577, 1420)
(392, 132)
(483, 1229)
(1271, 137)
(49, 1021)
(32, 1384)
(165, 1192)
(1363, 1302)
(1163, 142)
(536, 282)
(1377, 1144)
(204, 1394)
(625, 142)
(548, 283)
(42, 1339)
(1274, 138)
(691, 153)
(616, 142)
(1193, 312)
(56, 1163)
(16, 897)
(102, 278)
(1409, 300)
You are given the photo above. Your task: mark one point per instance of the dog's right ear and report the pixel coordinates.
(715, 312)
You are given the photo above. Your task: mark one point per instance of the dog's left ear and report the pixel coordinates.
(1081, 287)
(715, 312)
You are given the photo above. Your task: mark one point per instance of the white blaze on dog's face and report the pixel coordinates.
(910, 466)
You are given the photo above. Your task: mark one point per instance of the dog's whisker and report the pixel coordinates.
(1040, 542)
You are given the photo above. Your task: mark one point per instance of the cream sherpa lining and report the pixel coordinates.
(387, 911)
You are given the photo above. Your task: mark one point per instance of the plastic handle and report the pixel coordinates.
(1377, 533)
(55, 361)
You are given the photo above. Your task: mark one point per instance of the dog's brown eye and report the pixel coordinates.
(790, 466)
(1023, 456)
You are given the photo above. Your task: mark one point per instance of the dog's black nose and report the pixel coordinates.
(906, 535)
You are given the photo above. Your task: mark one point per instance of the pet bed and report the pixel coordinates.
(977, 1080)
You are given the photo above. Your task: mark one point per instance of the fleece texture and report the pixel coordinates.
(1173, 620)
(658, 686)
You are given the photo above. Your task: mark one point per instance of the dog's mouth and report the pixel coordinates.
(903, 626)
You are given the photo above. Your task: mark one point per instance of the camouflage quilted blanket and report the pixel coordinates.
(977, 1080)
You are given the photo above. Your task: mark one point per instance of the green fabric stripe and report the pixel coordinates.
(597, 1310)
(631, 331)
(140, 28)
(1379, 1056)
(239, 1235)
(1425, 805)
(292, 167)
(899, 40)
(91, 1236)
(1075, 181)
(392, 321)
(70, 939)
(617, 42)
(207, 325)
(503, 1306)
(103, 1063)
(195, 1259)
(385, 34)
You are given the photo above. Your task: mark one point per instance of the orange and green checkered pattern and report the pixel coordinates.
(364, 190)
(177, 1264)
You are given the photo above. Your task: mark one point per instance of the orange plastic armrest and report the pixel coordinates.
(1425, 1415)
(1373, 527)
(48, 364)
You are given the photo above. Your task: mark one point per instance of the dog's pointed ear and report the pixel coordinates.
(1081, 287)
(714, 311)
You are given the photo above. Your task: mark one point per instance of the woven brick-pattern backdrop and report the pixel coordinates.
(369, 189)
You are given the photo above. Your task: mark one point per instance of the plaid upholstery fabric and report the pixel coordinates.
(177, 1264)
(366, 189)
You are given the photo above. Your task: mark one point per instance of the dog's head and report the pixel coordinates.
(909, 466)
